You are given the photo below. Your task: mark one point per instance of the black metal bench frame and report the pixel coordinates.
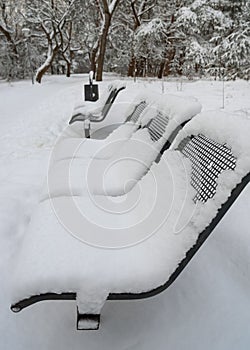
(110, 100)
(133, 296)
(128, 296)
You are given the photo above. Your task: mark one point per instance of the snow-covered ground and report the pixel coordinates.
(208, 305)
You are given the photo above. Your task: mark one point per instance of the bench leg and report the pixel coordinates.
(89, 306)
(87, 321)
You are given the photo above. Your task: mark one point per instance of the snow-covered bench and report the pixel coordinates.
(92, 114)
(77, 248)
(74, 147)
(115, 167)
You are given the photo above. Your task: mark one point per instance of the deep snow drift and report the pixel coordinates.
(207, 307)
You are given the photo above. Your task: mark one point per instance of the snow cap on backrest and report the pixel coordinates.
(178, 108)
(230, 131)
(224, 128)
(117, 84)
(145, 96)
(170, 111)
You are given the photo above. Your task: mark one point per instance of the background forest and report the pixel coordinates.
(131, 37)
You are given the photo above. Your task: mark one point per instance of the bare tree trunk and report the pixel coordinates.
(161, 69)
(44, 68)
(92, 58)
(131, 67)
(162, 64)
(68, 71)
(12, 53)
(167, 68)
(42, 71)
(55, 33)
(9, 40)
(103, 43)
(108, 9)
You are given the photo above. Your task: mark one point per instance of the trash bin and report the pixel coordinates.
(91, 92)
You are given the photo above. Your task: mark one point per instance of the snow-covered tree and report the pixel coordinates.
(54, 19)
(140, 10)
(149, 37)
(231, 51)
(120, 40)
(11, 40)
(199, 22)
(107, 9)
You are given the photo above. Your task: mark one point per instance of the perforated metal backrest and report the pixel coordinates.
(157, 126)
(135, 115)
(209, 159)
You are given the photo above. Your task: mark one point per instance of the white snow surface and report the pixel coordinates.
(206, 307)
(156, 223)
(81, 147)
(113, 176)
(121, 109)
(178, 109)
(121, 160)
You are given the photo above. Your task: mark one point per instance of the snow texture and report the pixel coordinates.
(121, 110)
(68, 146)
(155, 233)
(77, 147)
(207, 306)
(119, 164)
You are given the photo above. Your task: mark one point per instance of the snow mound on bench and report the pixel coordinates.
(60, 251)
(113, 176)
(113, 118)
(116, 166)
(74, 147)
(232, 131)
(178, 108)
(54, 258)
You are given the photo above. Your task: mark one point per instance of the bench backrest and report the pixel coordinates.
(137, 111)
(110, 100)
(157, 126)
(209, 159)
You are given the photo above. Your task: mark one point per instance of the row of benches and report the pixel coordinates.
(120, 218)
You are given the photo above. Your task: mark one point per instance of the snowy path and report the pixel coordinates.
(206, 308)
